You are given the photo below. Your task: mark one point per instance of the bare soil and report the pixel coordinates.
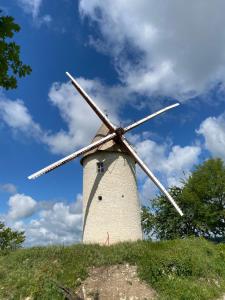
(119, 282)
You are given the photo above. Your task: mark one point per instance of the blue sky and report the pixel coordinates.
(133, 58)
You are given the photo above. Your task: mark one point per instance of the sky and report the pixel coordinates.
(133, 58)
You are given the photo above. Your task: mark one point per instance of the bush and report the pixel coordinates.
(9, 239)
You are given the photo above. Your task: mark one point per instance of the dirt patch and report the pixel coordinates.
(119, 282)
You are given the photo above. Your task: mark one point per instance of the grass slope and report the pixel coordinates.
(178, 269)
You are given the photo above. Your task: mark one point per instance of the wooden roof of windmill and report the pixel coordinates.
(110, 146)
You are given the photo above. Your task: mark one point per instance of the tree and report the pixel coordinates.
(202, 199)
(11, 65)
(9, 239)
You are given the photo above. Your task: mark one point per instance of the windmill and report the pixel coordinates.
(111, 209)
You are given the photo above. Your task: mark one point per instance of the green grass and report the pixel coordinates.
(179, 269)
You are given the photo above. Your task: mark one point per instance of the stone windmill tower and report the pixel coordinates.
(111, 209)
(110, 198)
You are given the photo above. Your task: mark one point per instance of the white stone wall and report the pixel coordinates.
(117, 215)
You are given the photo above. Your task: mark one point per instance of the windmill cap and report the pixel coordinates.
(110, 146)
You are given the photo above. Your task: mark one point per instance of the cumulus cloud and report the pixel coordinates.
(80, 120)
(33, 7)
(59, 223)
(8, 188)
(179, 163)
(21, 206)
(167, 159)
(163, 47)
(16, 115)
(170, 163)
(213, 131)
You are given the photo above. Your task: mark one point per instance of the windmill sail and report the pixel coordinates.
(72, 156)
(151, 175)
(115, 134)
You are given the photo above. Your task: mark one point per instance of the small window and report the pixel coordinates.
(99, 198)
(100, 167)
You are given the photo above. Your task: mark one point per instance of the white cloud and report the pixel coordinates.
(18, 225)
(33, 7)
(179, 163)
(21, 206)
(8, 187)
(171, 160)
(170, 163)
(80, 120)
(60, 223)
(163, 47)
(16, 115)
(152, 153)
(213, 131)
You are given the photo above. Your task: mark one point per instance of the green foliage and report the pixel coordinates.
(202, 199)
(9, 239)
(179, 269)
(11, 65)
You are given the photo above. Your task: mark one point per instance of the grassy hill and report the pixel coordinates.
(178, 269)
